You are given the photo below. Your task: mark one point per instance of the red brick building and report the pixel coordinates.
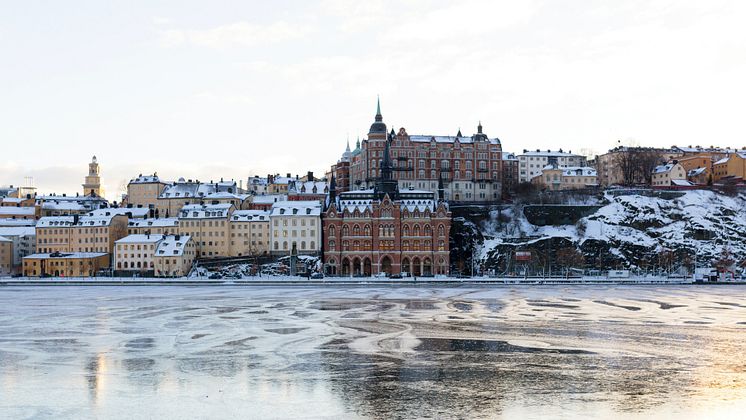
(470, 166)
(385, 230)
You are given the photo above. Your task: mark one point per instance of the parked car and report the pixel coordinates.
(317, 276)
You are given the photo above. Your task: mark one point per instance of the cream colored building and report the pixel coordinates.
(668, 174)
(63, 264)
(23, 240)
(134, 254)
(208, 226)
(144, 190)
(162, 226)
(531, 163)
(79, 233)
(92, 184)
(175, 256)
(249, 232)
(6, 256)
(562, 179)
(296, 223)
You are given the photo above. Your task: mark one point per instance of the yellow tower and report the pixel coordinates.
(92, 184)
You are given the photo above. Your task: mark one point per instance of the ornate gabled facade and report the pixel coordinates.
(385, 229)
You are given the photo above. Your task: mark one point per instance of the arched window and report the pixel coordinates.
(356, 230)
(406, 230)
(277, 245)
(313, 245)
(302, 244)
(356, 246)
(441, 230)
(332, 244)
(332, 231)
(367, 230)
(428, 232)
(416, 230)
(405, 246)
(345, 245)
(285, 245)
(345, 230)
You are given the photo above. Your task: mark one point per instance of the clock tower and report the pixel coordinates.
(92, 185)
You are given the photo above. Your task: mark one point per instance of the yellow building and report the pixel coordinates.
(6, 256)
(162, 226)
(731, 167)
(92, 184)
(249, 232)
(144, 190)
(58, 264)
(175, 256)
(208, 226)
(80, 233)
(560, 179)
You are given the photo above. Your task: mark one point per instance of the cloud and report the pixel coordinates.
(238, 34)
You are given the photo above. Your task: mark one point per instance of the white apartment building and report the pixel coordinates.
(24, 242)
(531, 163)
(295, 223)
(134, 253)
(159, 255)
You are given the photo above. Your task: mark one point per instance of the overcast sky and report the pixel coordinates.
(236, 88)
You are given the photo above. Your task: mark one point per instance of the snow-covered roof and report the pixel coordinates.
(136, 212)
(250, 216)
(17, 231)
(296, 208)
(578, 171)
(509, 156)
(12, 210)
(697, 171)
(159, 222)
(420, 138)
(722, 161)
(205, 211)
(681, 182)
(4, 239)
(67, 255)
(355, 204)
(223, 195)
(268, 198)
(548, 153)
(282, 180)
(13, 200)
(139, 239)
(55, 221)
(420, 205)
(16, 222)
(660, 169)
(171, 246)
(308, 187)
(64, 206)
(145, 179)
(257, 181)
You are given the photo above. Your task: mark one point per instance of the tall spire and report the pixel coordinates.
(479, 127)
(378, 128)
(378, 108)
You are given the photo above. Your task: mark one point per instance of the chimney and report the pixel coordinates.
(76, 218)
(288, 174)
(177, 237)
(310, 176)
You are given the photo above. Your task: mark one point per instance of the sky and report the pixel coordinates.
(233, 89)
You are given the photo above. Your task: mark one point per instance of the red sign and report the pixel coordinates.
(523, 255)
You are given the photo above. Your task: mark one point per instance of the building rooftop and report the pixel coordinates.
(139, 239)
(67, 255)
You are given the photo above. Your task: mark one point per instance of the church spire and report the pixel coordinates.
(378, 109)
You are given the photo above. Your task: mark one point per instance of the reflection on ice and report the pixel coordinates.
(378, 352)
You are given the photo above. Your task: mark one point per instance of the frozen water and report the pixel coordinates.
(372, 352)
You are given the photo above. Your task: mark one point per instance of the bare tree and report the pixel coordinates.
(569, 257)
(636, 164)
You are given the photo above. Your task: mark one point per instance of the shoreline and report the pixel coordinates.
(365, 282)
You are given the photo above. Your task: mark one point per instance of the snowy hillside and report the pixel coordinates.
(629, 231)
